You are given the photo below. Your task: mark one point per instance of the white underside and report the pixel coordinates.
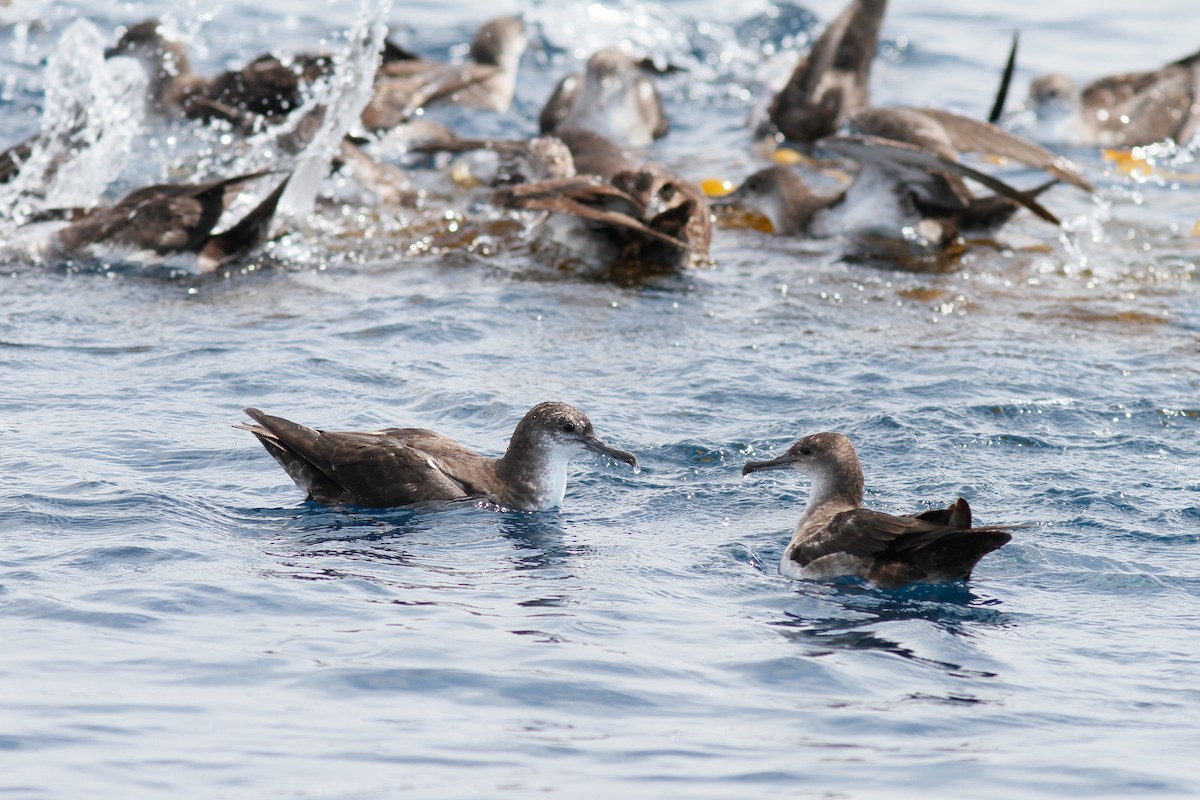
(576, 235)
(818, 512)
(190, 263)
(615, 115)
(552, 488)
(870, 205)
(1058, 125)
(834, 565)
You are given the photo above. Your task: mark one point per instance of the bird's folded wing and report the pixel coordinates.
(1149, 106)
(379, 471)
(582, 197)
(448, 81)
(368, 468)
(862, 533)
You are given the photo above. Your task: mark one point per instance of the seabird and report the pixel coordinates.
(266, 87)
(156, 223)
(909, 175)
(12, 159)
(836, 536)
(639, 219)
(402, 466)
(612, 97)
(486, 81)
(513, 160)
(831, 80)
(601, 202)
(1126, 110)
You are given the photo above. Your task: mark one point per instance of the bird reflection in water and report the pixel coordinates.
(339, 543)
(956, 609)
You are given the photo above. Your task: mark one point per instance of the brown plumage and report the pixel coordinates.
(487, 80)
(12, 159)
(836, 536)
(164, 220)
(613, 97)
(1125, 110)
(831, 80)
(264, 88)
(638, 218)
(403, 466)
(913, 155)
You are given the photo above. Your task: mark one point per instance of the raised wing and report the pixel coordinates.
(975, 136)
(559, 105)
(1006, 76)
(926, 172)
(831, 79)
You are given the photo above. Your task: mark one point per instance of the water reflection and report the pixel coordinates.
(860, 611)
(451, 544)
(538, 537)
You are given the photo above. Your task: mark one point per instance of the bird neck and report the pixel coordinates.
(840, 487)
(534, 476)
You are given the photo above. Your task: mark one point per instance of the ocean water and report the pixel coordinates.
(177, 622)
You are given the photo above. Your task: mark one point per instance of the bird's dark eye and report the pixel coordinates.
(806, 451)
(568, 427)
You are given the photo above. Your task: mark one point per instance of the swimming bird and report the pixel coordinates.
(487, 80)
(836, 536)
(266, 87)
(831, 80)
(612, 97)
(508, 161)
(624, 218)
(1125, 110)
(402, 466)
(637, 218)
(165, 221)
(909, 175)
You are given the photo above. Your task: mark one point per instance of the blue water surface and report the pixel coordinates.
(177, 622)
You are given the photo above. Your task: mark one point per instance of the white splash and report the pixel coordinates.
(343, 95)
(92, 110)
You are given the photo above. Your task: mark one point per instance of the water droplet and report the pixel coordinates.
(637, 470)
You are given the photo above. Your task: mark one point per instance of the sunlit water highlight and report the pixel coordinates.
(177, 622)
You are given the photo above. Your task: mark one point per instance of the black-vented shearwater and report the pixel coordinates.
(613, 97)
(403, 466)
(627, 218)
(1126, 110)
(487, 80)
(909, 176)
(639, 219)
(156, 223)
(831, 80)
(513, 160)
(836, 536)
(266, 87)
(12, 159)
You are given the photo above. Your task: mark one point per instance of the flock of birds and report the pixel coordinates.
(582, 184)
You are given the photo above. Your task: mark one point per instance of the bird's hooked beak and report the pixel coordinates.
(782, 462)
(597, 445)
